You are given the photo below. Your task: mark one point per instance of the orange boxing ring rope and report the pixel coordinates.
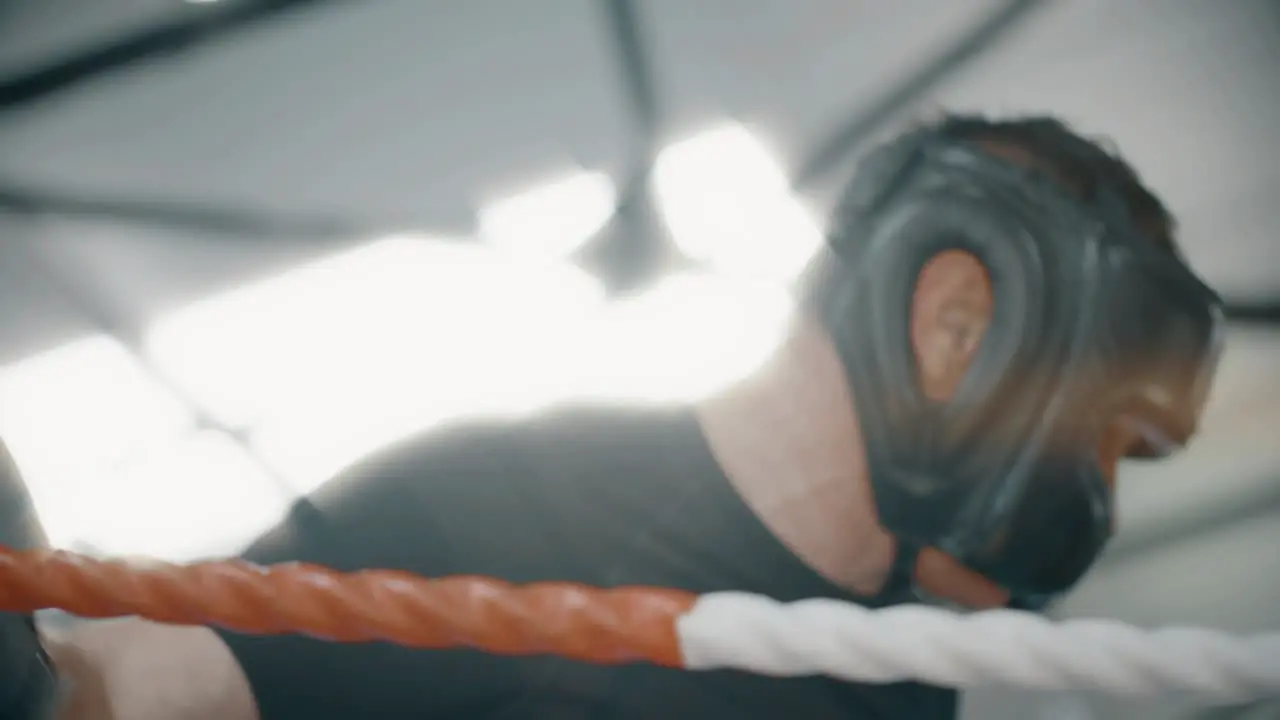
(602, 626)
(638, 624)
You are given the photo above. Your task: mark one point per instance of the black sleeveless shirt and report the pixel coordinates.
(604, 497)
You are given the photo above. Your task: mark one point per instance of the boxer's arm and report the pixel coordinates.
(382, 512)
(117, 670)
(137, 670)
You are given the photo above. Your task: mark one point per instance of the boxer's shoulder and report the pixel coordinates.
(517, 498)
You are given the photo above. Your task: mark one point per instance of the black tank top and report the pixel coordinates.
(600, 496)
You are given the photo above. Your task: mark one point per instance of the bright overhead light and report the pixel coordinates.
(199, 497)
(726, 201)
(553, 218)
(72, 413)
(403, 330)
(686, 337)
(86, 403)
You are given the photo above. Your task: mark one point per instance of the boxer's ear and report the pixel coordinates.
(950, 314)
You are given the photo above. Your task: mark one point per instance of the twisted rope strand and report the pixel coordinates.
(602, 626)
(914, 642)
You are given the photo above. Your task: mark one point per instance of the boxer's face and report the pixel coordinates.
(952, 309)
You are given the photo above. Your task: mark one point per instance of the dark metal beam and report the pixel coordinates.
(182, 216)
(631, 248)
(635, 217)
(636, 72)
(197, 25)
(862, 124)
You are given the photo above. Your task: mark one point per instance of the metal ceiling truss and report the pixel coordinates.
(633, 248)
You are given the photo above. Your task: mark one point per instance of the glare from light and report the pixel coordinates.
(80, 408)
(398, 330)
(199, 497)
(688, 336)
(328, 362)
(726, 201)
(553, 219)
(311, 451)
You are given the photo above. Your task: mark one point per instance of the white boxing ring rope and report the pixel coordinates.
(995, 647)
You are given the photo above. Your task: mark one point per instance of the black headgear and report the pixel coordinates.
(1092, 319)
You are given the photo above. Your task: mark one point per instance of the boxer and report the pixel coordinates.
(999, 318)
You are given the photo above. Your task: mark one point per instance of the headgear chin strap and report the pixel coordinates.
(1092, 322)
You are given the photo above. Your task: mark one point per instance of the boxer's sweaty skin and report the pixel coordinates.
(789, 442)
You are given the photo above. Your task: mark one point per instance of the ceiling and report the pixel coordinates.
(410, 114)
